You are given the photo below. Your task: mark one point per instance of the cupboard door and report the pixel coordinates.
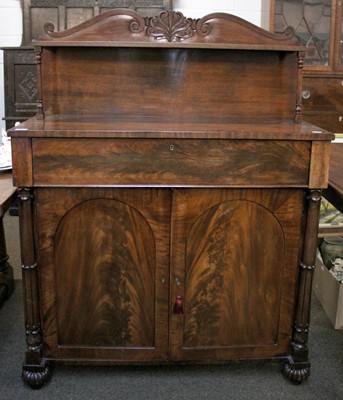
(104, 262)
(234, 272)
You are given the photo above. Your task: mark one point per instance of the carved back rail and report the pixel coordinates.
(213, 68)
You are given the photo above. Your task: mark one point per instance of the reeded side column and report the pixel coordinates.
(297, 368)
(35, 371)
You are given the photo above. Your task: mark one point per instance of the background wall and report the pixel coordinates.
(255, 11)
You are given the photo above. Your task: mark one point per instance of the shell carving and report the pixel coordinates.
(170, 26)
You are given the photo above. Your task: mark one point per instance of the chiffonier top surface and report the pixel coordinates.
(162, 127)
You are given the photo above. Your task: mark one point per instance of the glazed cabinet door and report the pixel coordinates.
(104, 273)
(235, 263)
(314, 22)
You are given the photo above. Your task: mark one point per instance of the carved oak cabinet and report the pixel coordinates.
(169, 195)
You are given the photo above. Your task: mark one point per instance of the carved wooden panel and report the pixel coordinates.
(68, 13)
(105, 271)
(234, 264)
(20, 84)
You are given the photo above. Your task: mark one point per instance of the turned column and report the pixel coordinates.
(35, 371)
(297, 368)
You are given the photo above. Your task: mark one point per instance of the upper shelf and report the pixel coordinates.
(127, 28)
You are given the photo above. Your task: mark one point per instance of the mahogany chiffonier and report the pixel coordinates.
(169, 195)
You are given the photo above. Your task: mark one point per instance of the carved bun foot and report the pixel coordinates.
(296, 372)
(36, 376)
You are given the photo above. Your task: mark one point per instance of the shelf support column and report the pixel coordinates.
(298, 107)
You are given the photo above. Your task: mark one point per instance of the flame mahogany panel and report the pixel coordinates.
(170, 162)
(240, 257)
(110, 273)
(104, 256)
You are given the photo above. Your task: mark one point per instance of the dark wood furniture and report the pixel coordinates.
(19, 64)
(7, 194)
(169, 195)
(334, 192)
(318, 25)
(65, 14)
(20, 84)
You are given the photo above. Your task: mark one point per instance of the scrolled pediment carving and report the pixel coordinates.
(118, 26)
(170, 25)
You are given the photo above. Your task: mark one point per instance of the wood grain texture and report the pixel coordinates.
(169, 79)
(323, 107)
(110, 274)
(319, 166)
(126, 27)
(105, 273)
(22, 162)
(167, 165)
(162, 127)
(170, 162)
(233, 271)
(67, 14)
(238, 282)
(30, 273)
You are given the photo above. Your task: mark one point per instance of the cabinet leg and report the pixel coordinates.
(296, 372)
(297, 367)
(35, 376)
(35, 370)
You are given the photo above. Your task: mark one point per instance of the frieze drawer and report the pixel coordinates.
(170, 162)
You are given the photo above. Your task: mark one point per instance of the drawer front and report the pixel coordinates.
(164, 162)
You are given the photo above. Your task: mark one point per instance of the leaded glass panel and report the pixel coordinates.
(311, 20)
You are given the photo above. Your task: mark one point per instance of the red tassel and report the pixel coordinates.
(178, 308)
